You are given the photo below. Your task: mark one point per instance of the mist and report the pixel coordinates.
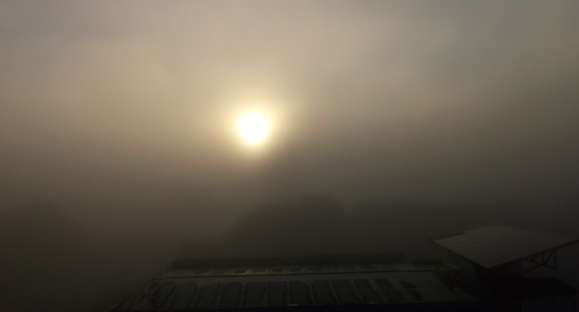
(396, 119)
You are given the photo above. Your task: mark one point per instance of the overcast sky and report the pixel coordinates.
(391, 119)
(113, 109)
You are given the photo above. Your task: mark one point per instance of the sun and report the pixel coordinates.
(253, 128)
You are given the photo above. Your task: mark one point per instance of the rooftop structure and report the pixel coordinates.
(498, 246)
(304, 284)
(380, 282)
(504, 259)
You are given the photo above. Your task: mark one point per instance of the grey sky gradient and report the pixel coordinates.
(442, 98)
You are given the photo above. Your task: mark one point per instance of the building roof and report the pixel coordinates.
(495, 246)
(200, 287)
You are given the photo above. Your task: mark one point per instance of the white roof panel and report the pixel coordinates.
(498, 245)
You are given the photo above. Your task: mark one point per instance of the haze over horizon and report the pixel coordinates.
(393, 116)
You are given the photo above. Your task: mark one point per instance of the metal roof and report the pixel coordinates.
(290, 286)
(495, 246)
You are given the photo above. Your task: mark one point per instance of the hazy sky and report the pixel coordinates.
(393, 119)
(122, 108)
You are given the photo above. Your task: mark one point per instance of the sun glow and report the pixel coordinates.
(253, 128)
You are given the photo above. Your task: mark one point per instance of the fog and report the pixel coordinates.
(398, 122)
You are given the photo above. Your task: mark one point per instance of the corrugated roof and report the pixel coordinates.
(287, 286)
